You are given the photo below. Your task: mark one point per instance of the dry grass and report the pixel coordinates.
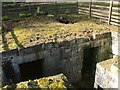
(46, 29)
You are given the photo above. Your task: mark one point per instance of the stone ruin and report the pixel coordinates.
(108, 72)
(70, 57)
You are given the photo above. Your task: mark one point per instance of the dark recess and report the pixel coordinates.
(90, 59)
(31, 70)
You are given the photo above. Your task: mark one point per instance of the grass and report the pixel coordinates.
(45, 29)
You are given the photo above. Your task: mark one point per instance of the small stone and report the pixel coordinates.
(30, 40)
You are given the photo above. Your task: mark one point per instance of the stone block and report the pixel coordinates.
(74, 53)
(55, 52)
(84, 40)
(49, 46)
(79, 40)
(30, 57)
(86, 45)
(106, 35)
(116, 43)
(67, 53)
(13, 52)
(102, 36)
(21, 51)
(72, 42)
(65, 43)
(29, 50)
(47, 53)
(56, 45)
(38, 48)
(96, 43)
(75, 47)
(18, 60)
(41, 55)
(79, 49)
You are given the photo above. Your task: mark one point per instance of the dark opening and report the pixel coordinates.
(8, 71)
(90, 59)
(31, 70)
(65, 20)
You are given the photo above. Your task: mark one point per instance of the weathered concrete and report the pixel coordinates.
(106, 77)
(116, 43)
(52, 82)
(60, 57)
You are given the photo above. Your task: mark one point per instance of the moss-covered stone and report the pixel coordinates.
(43, 29)
(56, 82)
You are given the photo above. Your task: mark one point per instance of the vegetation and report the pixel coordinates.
(45, 29)
(23, 15)
(43, 26)
(56, 82)
(5, 18)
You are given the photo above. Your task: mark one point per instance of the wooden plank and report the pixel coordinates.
(100, 14)
(83, 5)
(98, 6)
(101, 17)
(100, 11)
(104, 20)
(86, 9)
(115, 17)
(83, 11)
(115, 13)
(116, 8)
(116, 2)
(116, 24)
(114, 20)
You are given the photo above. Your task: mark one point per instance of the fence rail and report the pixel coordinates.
(107, 11)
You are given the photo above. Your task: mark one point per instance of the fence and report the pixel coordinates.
(107, 11)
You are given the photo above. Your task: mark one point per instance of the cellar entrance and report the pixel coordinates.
(90, 59)
(31, 70)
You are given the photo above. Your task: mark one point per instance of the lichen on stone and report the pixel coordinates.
(56, 82)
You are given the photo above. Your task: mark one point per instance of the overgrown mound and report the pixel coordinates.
(52, 82)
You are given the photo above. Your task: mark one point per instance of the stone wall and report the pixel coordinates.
(60, 57)
(106, 77)
(116, 43)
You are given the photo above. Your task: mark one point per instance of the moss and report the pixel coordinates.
(22, 85)
(47, 28)
(32, 84)
(56, 82)
(57, 85)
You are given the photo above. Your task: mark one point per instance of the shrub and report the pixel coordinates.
(5, 18)
(23, 15)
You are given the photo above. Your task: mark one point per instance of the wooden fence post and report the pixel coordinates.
(38, 9)
(77, 7)
(56, 9)
(90, 4)
(29, 6)
(110, 12)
